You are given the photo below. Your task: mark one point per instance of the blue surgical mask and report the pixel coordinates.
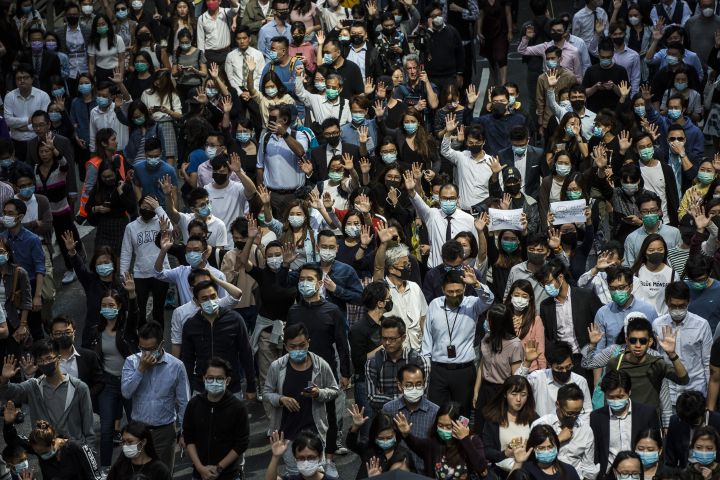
(519, 151)
(410, 128)
(307, 288)
(448, 207)
(551, 64)
(569, 131)
(385, 444)
(681, 86)
(242, 137)
(7, 162)
(327, 59)
(185, 46)
(674, 114)
(548, 456)
(210, 152)
(205, 210)
(388, 158)
(606, 62)
(58, 92)
(209, 307)
(358, 118)
(273, 56)
(104, 269)
(110, 313)
(211, 92)
(55, 116)
(21, 467)
(271, 92)
(640, 111)
(672, 60)
(121, 14)
(646, 154)
(562, 169)
(298, 356)
(26, 192)
(85, 88)
(320, 86)
(153, 161)
(597, 131)
(552, 290)
(215, 387)
(4, 258)
(648, 459)
(193, 258)
(703, 458)
(617, 405)
(48, 455)
(102, 102)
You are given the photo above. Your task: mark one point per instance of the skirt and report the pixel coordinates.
(110, 232)
(169, 139)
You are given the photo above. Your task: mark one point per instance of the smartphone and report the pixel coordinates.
(309, 387)
(300, 54)
(464, 420)
(474, 211)
(560, 146)
(272, 118)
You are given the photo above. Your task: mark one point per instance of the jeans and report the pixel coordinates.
(361, 398)
(111, 403)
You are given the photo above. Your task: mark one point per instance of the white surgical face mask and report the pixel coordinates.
(413, 394)
(520, 303)
(131, 451)
(308, 468)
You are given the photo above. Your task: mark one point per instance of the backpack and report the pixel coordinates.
(310, 138)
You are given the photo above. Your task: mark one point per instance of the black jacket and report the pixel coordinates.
(226, 338)
(89, 370)
(373, 66)
(584, 304)
(535, 167)
(327, 328)
(126, 336)
(677, 446)
(49, 67)
(215, 428)
(318, 157)
(642, 417)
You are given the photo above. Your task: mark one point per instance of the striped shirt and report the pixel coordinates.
(381, 375)
(54, 186)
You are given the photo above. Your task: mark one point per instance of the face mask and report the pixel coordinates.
(242, 137)
(335, 176)
(147, 214)
(48, 370)
(343, 38)
(562, 170)
(706, 177)
(509, 246)
(307, 288)
(298, 39)
(273, 56)
(697, 285)
(131, 451)
(628, 477)
(405, 272)
(630, 188)
(274, 263)
(519, 151)
(551, 64)
(296, 221)
(413, 395)
(139, 121)
(85, 88)
(298, 356)
(617, 405)
(209, 307)
(104, 269)
(536, 258)
(674, 114)
(498, 110)
(410, 128)
(618, 41)
(578, 105)
(703, 458)
(620, 297)
(655, 258)
(678, 314)
(210, 151)
(64, 342)
(640, 111)
(102, 30)
(102, 102)
(327, 255)
(73, 20)
(520, 303)
(185, 46)
(141, 67)
(475, 148)
(320, 86)
(212, 92)
(110, 313)
(633, 20)
(681, 86)
(390, 31)
(205, 211)
(672, 60)
(606, 62)
(570, 132)
(547, 456)
(121, 14)
(308, 467)
(21, 467)
(385, 444)
(708, 12)
(215, 387)
(358, 118)
(648, 459)
(331, 93)
(3, 259)
(512, 189)
(597, 131)
(650, 220)
(7, 162)
(352, 231)
(646, 154)
(574, 194)
(48, 455)
(327, 59)
(448, 206)
(193, 259)
(552, 290)
(444, 434)
(220, 178)
(569, 238)
(438, 22)
(58, 92)
(87, 9)
(153, 161)
(8, 221)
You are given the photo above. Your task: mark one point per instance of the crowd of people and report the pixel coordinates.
(310, 205)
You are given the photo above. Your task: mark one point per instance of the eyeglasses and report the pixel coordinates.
(618, 287)
(676, 139)
(649, 212)
(65, 333)
(390, 339)
(641, 341)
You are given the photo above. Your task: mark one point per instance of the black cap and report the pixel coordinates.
(511, 173)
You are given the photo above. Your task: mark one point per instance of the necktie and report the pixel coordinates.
(448, 230)
(243, 69)
(36, 64)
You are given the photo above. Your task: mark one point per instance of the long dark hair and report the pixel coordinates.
(497, 410)
(453, 453)
(165, 92)
(380, 423)
(115, 295)
(271, 76)
(621, 457)
(501, 327)
(134, 107)
(123, 466)
(642, 255)
(95, 36)
(509, 260)
(529, 314)
(105, 250)
(537, 436)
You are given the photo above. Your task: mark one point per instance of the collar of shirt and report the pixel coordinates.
(21, 235)
(65, 378)
(363, 47)
(615, 308)
(392, 286)
(423, 406)
(19, 96)
(332, 102)
(338, 150)
(72, 356)
(567, 298)
(627, 414)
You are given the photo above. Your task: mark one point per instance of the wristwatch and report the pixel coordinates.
(219, 469)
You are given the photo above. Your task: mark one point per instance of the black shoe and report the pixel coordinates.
(20, 418)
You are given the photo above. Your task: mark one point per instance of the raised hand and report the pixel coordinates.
(667, 342)
(380, 90)
(362, 203)
(657, 33)
(365, 165)
(356, 415)
(603, 260)
(328, 200)
(469, 277)
(373, 467)
(69, 241)
(320, 36)
(701, 220)
(369, 85)
(402, 424)
(305, 165)
(117, 76)
(226, 104)
(28, 365)
(624, 88)
(595, 334)
(624, 141)
(250, 63)
(379, 109)
(505, 201)
(461, 133)
(214, 70)
(289, 253)
(552, 78)
(348, 163)
(278, 444)
(363, 134)
(314, 200)
(10, 368)
(129, 283)
(263, 194)
(253, 230)
(600, 155)
(646, 92)
(201, 96)
(366, 235)
(496, 166)
(393, 196)
(520, 454)
(481, 222)
(409, 180)
(471, 94)
(450, 123)
(166, 241)
(553, 238)
(531, 351)
(166, 184)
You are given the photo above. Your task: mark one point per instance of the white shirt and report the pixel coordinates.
(280, 164)
(411, 306)
(214, 33)
(473, 175)
(669, 11)
(579, 451)
(69, 366)
(76, 51)
(228, 203)
(620, 433)
(436, 223)
(19, 109)
(322, 107)
(216, 229)
(104, 57)
(179, 276)
(108, 119)
(358, 57)
(545, 390)
(139, 241)
(654, 180)
(237, 71)
(521, 165)
(565, 326)
(583, 24)
(650, 287)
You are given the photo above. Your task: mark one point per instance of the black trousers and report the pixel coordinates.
(587, 374)
(145, 287)
(452, 382)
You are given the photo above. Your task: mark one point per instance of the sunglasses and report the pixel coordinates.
(641, 341)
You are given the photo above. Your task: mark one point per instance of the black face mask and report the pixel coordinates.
(512, 189)
(144, 37)
(405, 272)
(578, 105)
(147, 214)
(73, 20)
(388, 305)
(110, 183)
(389, 31)
(48, 369)
(333, 141)
(556, 36)
(282, 16)
(298, 39)
(561, 377)
(569, 238)
(357, 39)
(618, 40)
(655, 258)
(392, 184)
(239, 244)
(537, 259)
(498, 110)
(64, 342)
(475, 149)
(220, 178)
(567, 421)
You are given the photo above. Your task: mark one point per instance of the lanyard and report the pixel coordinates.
(447, 321)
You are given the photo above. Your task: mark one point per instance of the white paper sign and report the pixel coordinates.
(571, 211)
(505, 219)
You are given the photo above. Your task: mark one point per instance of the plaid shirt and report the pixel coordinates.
(421, 420)
(381, 375)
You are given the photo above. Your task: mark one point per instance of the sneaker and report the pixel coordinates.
(331, 469)
(341, 450)
(170, 300)
(117, 438)
(69, 277)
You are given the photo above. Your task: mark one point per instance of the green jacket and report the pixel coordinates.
(647, 376)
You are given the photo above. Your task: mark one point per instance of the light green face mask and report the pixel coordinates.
(335, 176)
(444, 434)
(705, 177)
